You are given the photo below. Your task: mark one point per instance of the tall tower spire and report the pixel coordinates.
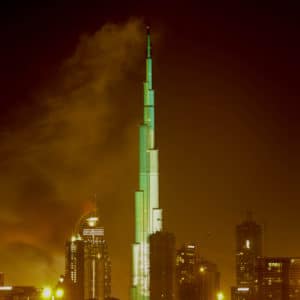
(149, 54)
(148, 215)
(149, 59)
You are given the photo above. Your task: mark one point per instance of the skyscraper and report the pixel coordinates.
(148, 215)
(88, 267)
(248, 248)
(186, 269)
(278, 278)
(162, 266)
(74, 269)
(196, 278)
(209, 280)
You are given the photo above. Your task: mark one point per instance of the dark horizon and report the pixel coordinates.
(227, 90)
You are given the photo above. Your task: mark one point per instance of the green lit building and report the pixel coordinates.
(148, 215)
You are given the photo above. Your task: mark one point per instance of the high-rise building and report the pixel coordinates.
(74, 269)
(186, 269)
(196, 278)
(209, 280)
(88, 267)
(148, 215)
(162, 266)
(248, 248)
(278, 278)
(249, 241)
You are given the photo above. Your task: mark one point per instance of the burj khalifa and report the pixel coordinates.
(148, 215)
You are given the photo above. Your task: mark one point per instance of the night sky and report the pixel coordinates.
(227, 105)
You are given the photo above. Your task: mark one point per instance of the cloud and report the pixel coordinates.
(18, 258)
(78, 138)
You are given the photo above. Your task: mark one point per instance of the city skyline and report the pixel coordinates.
(227, 129)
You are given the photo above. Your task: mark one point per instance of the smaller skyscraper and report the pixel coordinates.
(74, 269)
(88, 267)
(278, 278)
(162, 266)
(186, 270)
(209, 280)
(249, 240)
(248, 248)
(196, 278)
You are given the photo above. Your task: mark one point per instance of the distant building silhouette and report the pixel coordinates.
(1, 279)
(186, 269)
(19, 293)
(88, 267)
(249, 240)
(248, 248)
(162, 266)
(278, 278)
(209, 280)
(196, 278)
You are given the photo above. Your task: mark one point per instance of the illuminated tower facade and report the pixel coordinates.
(88, 267)
(148, 215)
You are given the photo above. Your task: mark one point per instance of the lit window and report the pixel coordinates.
(248, 244)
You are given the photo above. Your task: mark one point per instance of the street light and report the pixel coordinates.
(48, 293)
(220, 296)
(59, 293)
